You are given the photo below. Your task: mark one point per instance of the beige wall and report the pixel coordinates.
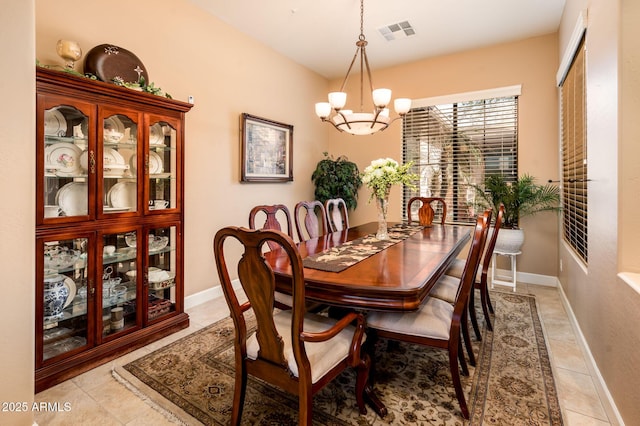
(228, 73)
(17, 83)
(606, 308)
(498, 66)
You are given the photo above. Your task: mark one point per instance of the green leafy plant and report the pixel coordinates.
(520, 198)
(337, 178)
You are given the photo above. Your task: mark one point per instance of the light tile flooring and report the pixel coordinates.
(97, 399)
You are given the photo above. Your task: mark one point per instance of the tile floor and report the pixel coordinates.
(97, 399)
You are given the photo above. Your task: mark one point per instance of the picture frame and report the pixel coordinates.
(267, 150)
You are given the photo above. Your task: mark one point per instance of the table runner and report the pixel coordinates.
(348, 254)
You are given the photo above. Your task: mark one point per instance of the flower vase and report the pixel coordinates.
(382, 204)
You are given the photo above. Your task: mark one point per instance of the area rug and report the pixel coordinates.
(191, 380)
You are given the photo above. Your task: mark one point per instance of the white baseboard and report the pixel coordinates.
(591, 362)
(206, 295)
(528, 278)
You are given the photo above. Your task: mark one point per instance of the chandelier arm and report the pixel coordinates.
(366, 61)
(345, 120)
(346, 77)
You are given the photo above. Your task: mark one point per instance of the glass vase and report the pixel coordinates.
(382, 204)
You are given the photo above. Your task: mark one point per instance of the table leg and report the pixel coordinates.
(370, 397)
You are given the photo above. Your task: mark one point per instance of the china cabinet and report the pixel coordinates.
(109, 222)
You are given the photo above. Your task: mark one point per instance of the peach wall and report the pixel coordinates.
(228, 73)
(498, 66)
(606, 308)
(17, 185)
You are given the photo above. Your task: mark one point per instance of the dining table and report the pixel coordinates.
(352, 269)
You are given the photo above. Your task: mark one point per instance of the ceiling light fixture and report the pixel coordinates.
(361, 123)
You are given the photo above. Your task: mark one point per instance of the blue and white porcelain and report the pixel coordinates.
(59, 291)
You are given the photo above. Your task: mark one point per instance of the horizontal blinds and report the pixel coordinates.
(574, 156)
(457, 144)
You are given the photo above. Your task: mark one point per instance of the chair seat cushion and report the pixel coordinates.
(457, 267)
(432, 320)
(323, 356)
(446, 288)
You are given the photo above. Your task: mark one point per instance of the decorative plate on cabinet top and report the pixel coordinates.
(107, 62)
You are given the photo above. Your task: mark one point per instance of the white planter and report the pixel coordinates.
(509, 240)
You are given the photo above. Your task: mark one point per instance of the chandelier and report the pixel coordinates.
(361, 123)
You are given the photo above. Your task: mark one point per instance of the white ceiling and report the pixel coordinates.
(321, 34)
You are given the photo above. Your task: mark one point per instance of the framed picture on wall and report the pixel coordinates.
(267, 150)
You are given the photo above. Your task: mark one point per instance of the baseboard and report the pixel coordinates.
(528, 278)
(206, 295)
(591, 362)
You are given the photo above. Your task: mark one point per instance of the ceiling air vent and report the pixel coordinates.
(397, 31)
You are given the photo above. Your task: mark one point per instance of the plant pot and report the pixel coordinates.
(509, 240)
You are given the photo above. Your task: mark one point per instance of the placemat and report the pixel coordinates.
(348, 254)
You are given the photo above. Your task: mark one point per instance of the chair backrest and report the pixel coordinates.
(310, 218)
(491, 244)
(258, 283)
(337, 215)
(467, 280)
(426, 213)
(271, 213)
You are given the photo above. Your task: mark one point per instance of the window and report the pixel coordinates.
(455, 143)
(574, 155)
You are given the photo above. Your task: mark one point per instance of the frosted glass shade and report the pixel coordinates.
(337, 99)
(323, 109)
(402, 105)
(381, 97)
(361, 123)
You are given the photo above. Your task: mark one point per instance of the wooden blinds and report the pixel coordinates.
(574, 156)
(457, 144)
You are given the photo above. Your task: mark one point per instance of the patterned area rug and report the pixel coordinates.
(511, 385)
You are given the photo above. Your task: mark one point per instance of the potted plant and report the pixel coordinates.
(337, 178)
(520, 199)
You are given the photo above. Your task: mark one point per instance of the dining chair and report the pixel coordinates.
(294, 350)
(310, 218)
(437, 323)
(271, 214)
(337, 215)
(426, 213)
(446, 291)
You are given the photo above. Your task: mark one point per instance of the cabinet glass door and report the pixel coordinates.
(119, 164)
(66, 162)
(119, 289)
(65, 297)
(161, 272)
(162, 166)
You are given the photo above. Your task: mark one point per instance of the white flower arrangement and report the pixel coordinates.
(384, 172)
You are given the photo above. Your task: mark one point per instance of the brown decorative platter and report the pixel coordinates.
(107, 62)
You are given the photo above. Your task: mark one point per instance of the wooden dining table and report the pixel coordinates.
(397, 278)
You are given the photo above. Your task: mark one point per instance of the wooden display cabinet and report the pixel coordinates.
(109, 222)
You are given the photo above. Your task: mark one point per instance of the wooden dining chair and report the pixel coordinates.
(437, 323)
(310, 218)
(271, 213)
(294, 350)
(426, 213)
(337, 215)
(445, 288)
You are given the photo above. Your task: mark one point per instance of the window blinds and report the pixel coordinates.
(574, 156)
(456, 145)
